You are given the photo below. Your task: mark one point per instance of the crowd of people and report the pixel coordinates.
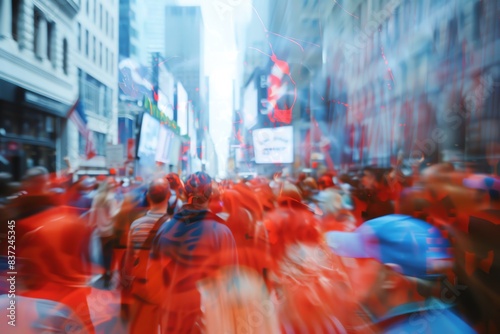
(373, 252)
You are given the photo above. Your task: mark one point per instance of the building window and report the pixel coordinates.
(95, 11)
(107, 25)
(100, 54)
(94, 50)
(100, 16)
(87, 43)
(36, 19)
(112, 28)
(10, 119)
(65, 56)
(134, 33)
(100, 141)
(81, 144)
(112, 63)
(109, 103)
(477, 15)
(50, 40)
(79, 37)
(87, 9)
(107, 59)
(15, 18)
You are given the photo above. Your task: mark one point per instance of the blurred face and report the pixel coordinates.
(368, 180)
(363, 275)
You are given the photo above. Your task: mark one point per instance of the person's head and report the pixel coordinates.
(325, 182)
(435, 177)
(175, 182)
(198, 188)
(36, 180)
(158, 193)
(330, 201)
(289, 195)
(309, 187)
(371, 178)
(390, 258)
(265, 196)
(486, 189)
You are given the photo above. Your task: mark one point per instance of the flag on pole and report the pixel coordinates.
(77, 115)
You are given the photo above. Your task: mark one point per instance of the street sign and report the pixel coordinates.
(115, 156)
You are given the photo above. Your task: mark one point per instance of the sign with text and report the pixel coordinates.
(273, 145)
(115, 156)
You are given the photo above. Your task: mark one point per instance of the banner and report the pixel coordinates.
(273, 145)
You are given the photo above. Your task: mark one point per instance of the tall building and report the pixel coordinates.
(38, 82)
(184, 53)
(96, 59)
(281, 63)
(129, 29)
(416, 78)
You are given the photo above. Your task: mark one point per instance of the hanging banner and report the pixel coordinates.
(273, 145)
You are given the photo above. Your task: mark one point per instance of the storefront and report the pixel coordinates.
(30, 130)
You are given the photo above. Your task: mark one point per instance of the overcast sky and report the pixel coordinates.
(222, 20)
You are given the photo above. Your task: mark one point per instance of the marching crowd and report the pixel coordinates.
(372, 252)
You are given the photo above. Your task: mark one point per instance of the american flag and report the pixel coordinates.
(77, 115)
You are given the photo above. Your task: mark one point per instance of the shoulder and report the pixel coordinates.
(436, 318)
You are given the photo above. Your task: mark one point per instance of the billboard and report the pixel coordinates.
(250, 106)
(166, 88)
(182, 108)
(165, 140)
(148, 144)
(273, 145)
(157, 144)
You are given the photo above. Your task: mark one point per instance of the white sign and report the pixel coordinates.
(115, 155)
(273, 145)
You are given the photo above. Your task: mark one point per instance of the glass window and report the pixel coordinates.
(106, 21)
(79, 37)
(87, 43)
(81, 144)
(37, 32)
(10, 120)
(100, 54)
(65, 56)
(47, 127)
(100, 142)
(50, 40)
(94, 50)
(15, 18)
(30, 125)
(100, 16)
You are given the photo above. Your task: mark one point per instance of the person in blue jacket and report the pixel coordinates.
(396, 265)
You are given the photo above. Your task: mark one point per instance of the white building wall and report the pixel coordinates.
(20, 66)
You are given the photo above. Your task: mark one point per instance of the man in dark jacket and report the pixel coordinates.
(194, 245)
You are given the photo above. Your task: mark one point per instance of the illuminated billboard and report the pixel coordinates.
(273, 145)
